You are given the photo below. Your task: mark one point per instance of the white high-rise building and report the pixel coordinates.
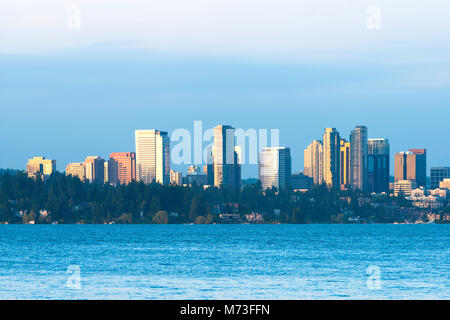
(331, 157)
(313, 166)
(274, 167)
(152, 156)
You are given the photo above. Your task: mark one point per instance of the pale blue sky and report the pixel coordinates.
(292, 65)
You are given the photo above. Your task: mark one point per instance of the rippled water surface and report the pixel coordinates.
(224, 261)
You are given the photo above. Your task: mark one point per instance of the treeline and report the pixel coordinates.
(65, 199)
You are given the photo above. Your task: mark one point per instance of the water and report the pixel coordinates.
(224, 261)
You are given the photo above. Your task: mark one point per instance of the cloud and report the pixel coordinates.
(294, 29)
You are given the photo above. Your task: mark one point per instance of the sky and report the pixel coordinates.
(78, 77)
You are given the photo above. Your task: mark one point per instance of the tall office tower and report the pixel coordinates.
(345, 164)
(176, 178)
(412, 165)
(275, 167)
(122, 167)
(40, 165)
(226, 169)
(106, 172)
(313, 166)
(438, 175)
(76, 170)
(378, 164)
(417, 166)
(95, 169)
(331, 157)
(358, 158)
(152, 156)
(400, 160)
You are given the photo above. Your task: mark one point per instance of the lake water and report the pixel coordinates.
(224, 261)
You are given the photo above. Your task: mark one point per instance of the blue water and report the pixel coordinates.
(224, 261)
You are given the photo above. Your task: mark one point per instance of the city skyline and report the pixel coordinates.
(223, 167)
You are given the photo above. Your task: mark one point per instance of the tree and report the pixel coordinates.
(297, 216)
(200, 220)
(198, 208)
(161, 217)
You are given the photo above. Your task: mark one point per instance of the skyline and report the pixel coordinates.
(174, 151)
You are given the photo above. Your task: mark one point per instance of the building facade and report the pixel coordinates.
(76, 170)
(152, 156)
(345, 164)
(225, 159)
(358, 158)
(301, 181)
(378, 165)
(40, 165)
(313, 166)
(404, 187)
(417, 166)
(438, 175)
(176, 178)
(122, 168)
(274, 167)
(331, 158)
(95, 169)
(412, 165)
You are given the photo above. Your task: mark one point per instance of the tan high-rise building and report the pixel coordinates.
(122, 168)
(411, 165)
(313, 166)
(400, 166)
(40, 165)
(76, 170)
(95, 169)
(331, 157)
(345, 164)
(152, 156)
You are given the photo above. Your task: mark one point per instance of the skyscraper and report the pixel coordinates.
(331, 157)
(152, 156)
(417, 166)
(438, 175)
(400, 160)
(275, 167)
(345, 164)
(358, 158)
(412, 165)
(226, 168)
(122, 167)
(95, 169)
(313, 166)
(378, 164)
(76, 170)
